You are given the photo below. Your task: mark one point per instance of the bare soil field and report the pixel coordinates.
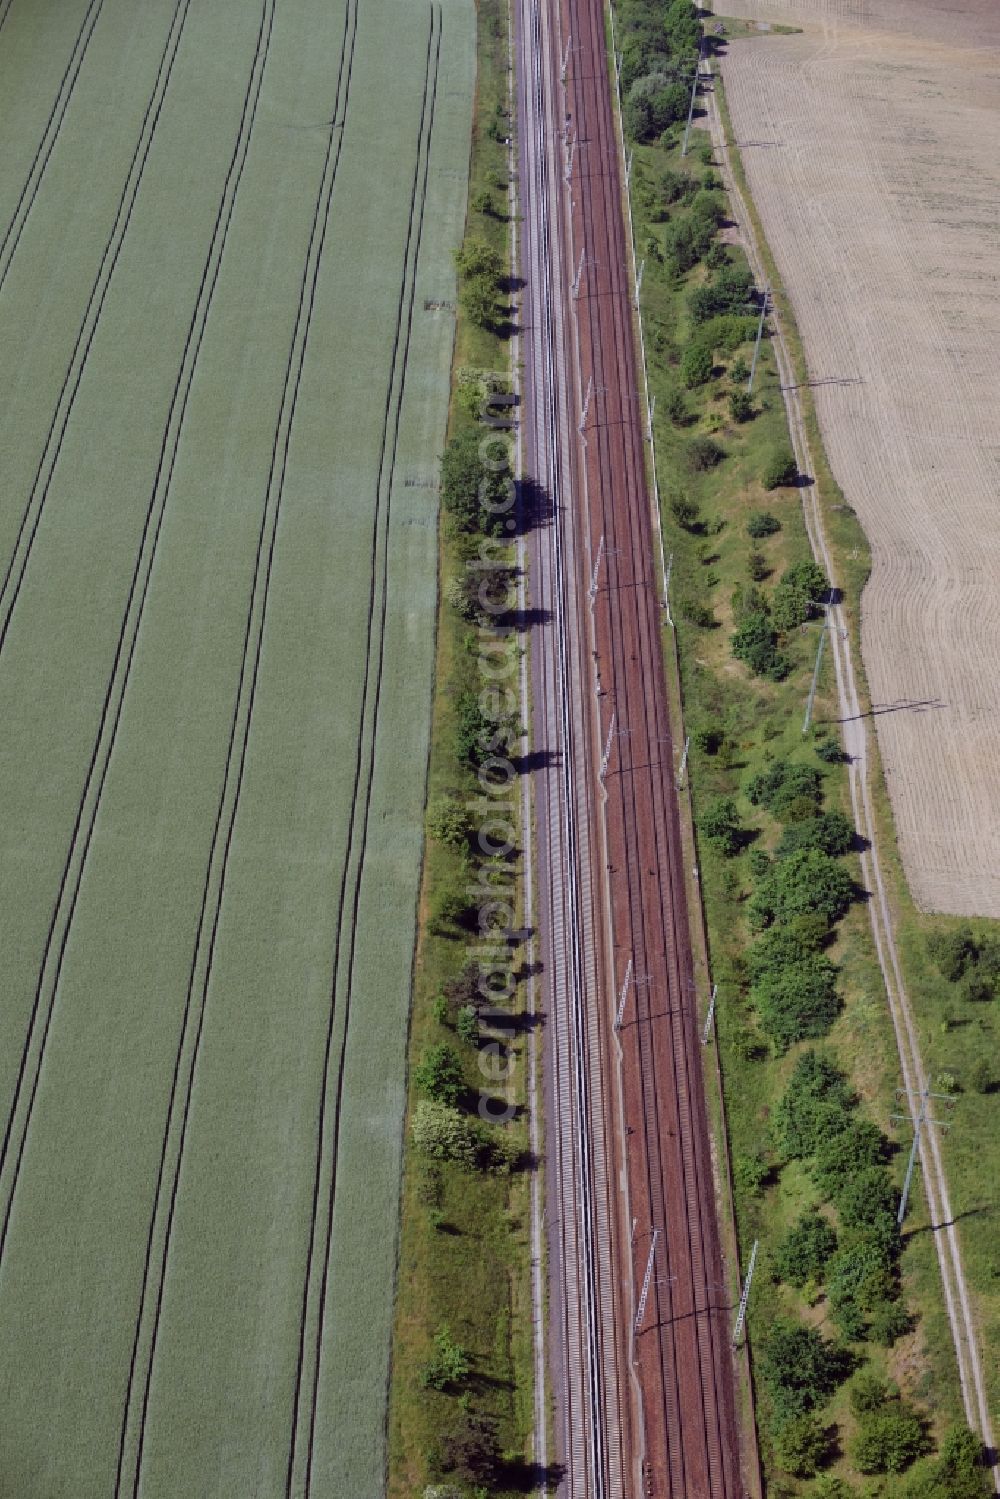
(870, 143)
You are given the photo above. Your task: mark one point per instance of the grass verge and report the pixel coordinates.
(461, 1406)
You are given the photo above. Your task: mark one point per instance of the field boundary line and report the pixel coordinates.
(5, 12)
(32, 1055)
(213, 892)
(50, 134)
(883, 927)
(44, 474)
(379, 584)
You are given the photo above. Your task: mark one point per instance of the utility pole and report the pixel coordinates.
(586, 402)
(628, 168)
(666, 589)
(710, 1016)
(684, 761)
(760, 335)
(565, 61)
(815, 678)
(649, 419)
(597, 566)
(570, 148)
(579, 274)
(742, 1313)
(645, 1282)
(694, 91)
(638, 283)
(607, 747)
(922, 1118)
(623, 997)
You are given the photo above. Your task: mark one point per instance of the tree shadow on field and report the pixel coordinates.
(524, 1477)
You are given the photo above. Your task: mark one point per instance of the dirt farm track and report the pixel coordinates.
(872, 145)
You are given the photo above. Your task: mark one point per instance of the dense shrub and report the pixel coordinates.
(439, 1074)
(958, 1472)
(800, 1369)
(697, 365)
(830, 832)
(889, 1440)
(800, 1445)
(805, 1250)
(719, 824)
(798, 1002)
(703, 453)
(953, 952)
(804, 882)
(475, 496)
(814, 1105)
(730, 290)
(651, 104)
(741, 407)
(755, 643)
(784, 787)
(762, 523)
(841, 1155)
(781, 468)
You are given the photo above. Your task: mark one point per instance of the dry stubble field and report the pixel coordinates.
(872, 146)
(225, 343)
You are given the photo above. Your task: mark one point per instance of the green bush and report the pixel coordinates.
(475, 497)
(448, 1364)
(959, 1472)
(781, 468)
(762, 523)
(888, 1440)
(720, 825)
(652, 103)
(800, 1445)
(448, 821)
(803, 882)
(841, 1156)
(784, 786)
(953, 952)
(781, 947)
(800, 1369)
(870, 1391)
(757, 566)
(830, 832)
(815, 1103)
(830, 751)
(439, 1074)
(741, 407)
(730, 290)
(443, 1134)
(798, 1002)
(697, 365)
(806, 1249)
(703, 453)
(755, 643)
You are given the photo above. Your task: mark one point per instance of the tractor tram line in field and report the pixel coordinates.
(12, 235)
(10, 588)
(348, 914)
(136, 1409)
(33, 1052)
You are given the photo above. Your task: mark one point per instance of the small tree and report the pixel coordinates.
(448, 821)
(800, 1445)
(798, 1002)
(781, 468)
(448, 1364)
(755, 643)
(953, 952)
(469, 1449)
(720, 825)
(741, 407)
(804, 882)
(439, 1074)
(888, 1440)
(757, 566)
(830, 832)
(703, 453)
(442, 1133)
(697, 365)
(870, 1392)
(801, 1370)
(762, 523)
(806, 1249)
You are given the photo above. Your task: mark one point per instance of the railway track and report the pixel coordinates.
(645, 1409)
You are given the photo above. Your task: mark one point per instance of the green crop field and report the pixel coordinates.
(226, 323)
